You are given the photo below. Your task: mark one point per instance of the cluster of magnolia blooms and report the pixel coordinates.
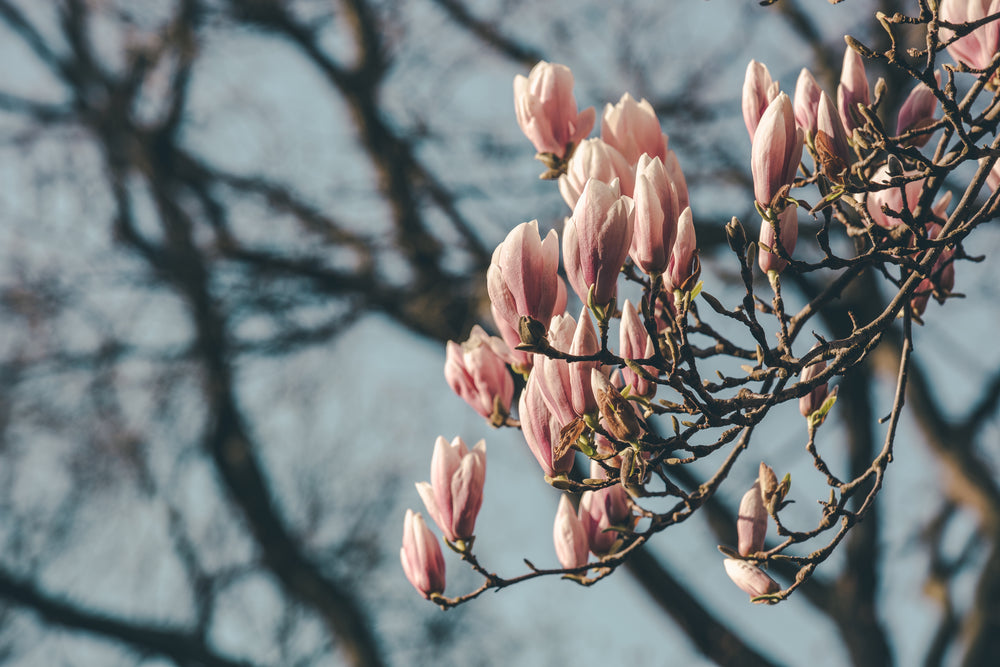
(629, 201)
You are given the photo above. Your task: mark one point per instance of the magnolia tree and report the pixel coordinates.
(654, 373)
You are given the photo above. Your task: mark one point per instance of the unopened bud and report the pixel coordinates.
(569, 537)
(423, 563)
(894, 166)
(751, 580)
(627, 458)
(784, 487)
(881, 87)
(736, 236)
(812, 401)
(532, 332)
(768, 482)
(751, 522)
(776, 500)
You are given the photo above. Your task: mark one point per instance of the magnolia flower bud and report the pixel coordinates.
(541, 429)
(976, 50)
(523, 277)
(776, 150)
(992, 178)
(595, 159)
(751, 522)
(768, 482)
(421, 556)
(476, 371)
(546, 109)
(656, 211)
(553, 375)
(455, 494)
(892, 199)
(635, 343)
(585, 342)
(566, 386)
(832, 145)
(942, 278)
(806, 100)
(788, 227)
(569, 537)
(684, 269)
(751, 580)
(616, 500)
(813, 401)
(633, 128)
(736, 236)
(758, 92)
(673, 167)
(596, 524)
(773, 492)
(617, 414)
(596, 241)
(601, 509)
(853, 90)
(917, 111)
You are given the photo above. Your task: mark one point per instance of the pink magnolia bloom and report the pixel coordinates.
(656, 211)
(552, 375)
(665, 312)
(569, 537)
(776, 150)
(565, 386)
(585, 342)
(806, 100)
(617, 503)
(751, 521)
(519, 361)
(546, 109)
(601, 509)
(476, 371)
(596, 240)
(853, 89)
(788, 225)
(917, 111)
(752, 580)
(993, 178)
(455, 494)
(596, 523)
(976, 50)
(635, 343)
(892, 199)
(523, 276)
(942, 276)
(673, 167)
(684, 268)
(633, 128)
(813, 401)
(421, 556)
(758, 92)
(541, 429)
(595, 159)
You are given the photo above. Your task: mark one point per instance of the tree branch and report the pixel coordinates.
(183, 648)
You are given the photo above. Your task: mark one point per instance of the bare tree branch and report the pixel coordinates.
(183, 648)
